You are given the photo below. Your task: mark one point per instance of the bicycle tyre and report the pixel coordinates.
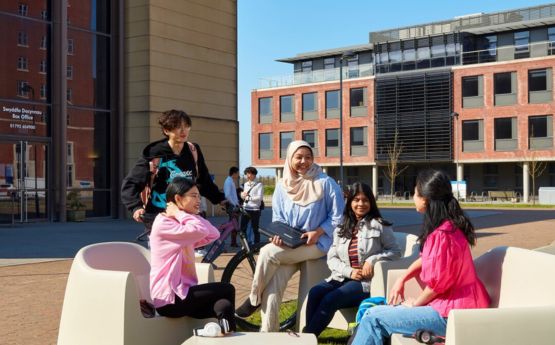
(239, 273)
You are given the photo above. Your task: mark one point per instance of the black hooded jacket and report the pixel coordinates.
(170, 166)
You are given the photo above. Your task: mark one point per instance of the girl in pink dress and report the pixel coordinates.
(445, 266)
(173, 279)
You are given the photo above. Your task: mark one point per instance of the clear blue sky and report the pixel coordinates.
(272, 29)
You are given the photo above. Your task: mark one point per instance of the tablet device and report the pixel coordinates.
(290, 236)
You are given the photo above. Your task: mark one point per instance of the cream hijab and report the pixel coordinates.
(301, 189)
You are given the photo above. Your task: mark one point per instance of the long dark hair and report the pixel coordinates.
(179, 186)
(435, 187)
(349, 217)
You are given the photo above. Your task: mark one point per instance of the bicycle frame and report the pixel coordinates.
(225, 229)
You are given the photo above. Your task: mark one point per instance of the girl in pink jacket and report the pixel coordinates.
(173, 280)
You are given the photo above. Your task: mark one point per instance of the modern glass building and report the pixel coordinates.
(472, 95)
(81, 90)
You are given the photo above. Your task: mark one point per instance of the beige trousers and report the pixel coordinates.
(274, 267)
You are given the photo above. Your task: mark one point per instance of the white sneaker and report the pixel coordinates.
(200, 253)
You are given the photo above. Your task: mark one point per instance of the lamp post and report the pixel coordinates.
(346, 55)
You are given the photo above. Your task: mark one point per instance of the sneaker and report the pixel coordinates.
(200, 253)
(246, 309)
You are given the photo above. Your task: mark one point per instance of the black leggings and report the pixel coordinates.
(204, 301)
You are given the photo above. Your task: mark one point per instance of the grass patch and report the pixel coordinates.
(332, 336)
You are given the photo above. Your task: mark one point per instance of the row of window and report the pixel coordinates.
(540, 133)
(358, 142)
(505, 88)
(357, 99)
(24, 90)
(23, 66)
(23, 41)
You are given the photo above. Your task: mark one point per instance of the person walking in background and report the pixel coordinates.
(445, 267)
(174, 285)
(230, 192)
(307, 199)
(362, 239)
(164, 160)
(253, 194)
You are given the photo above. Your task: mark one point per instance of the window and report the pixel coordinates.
(359, 145)
(522, 40)
(23, 88)
(329, 63)
(43, 43)
(539, 86)
(540, 132)
(332, 104)
(332, 142)
(285, 138)
(438, 51)
(473, 91)
(358, 102)
(69, 94)
(306, 66)
(42, 68)
(551, 39)
(490, 175)
(265, 110)
(472, 135)
(504, 85)
(487, 46)
(505, 134)
(44, 15)
(352, 66)
(22, 39)
(286, 108)
(265, 146)
(42, 91)
(311, 137)
(310, 110)
(23, 9)
(69, 71)
(423, 53)
(70, 47)
(22, 63)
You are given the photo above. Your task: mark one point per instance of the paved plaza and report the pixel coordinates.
(35, 259)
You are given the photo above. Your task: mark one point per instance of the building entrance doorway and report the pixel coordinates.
(23, 181)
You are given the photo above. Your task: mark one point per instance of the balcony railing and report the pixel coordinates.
(317, 76)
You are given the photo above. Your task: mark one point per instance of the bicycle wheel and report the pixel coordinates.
(239, 273)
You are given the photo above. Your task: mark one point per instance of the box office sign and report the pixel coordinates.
(23, 119)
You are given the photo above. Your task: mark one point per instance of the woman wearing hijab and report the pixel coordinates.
(306, 199)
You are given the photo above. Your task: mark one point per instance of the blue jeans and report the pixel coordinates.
(381, 321)
(326, 298)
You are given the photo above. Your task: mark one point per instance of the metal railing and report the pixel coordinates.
(317, 76)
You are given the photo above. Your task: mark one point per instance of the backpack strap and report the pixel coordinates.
(153, 169)
(194, 151)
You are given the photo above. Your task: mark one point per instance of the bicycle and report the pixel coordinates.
(240, 271)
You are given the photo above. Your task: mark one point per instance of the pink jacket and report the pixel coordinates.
(172, 257)
(448, 269)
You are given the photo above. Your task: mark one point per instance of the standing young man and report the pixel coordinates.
(253, 195)
(230, 191)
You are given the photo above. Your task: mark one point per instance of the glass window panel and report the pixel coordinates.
(265, 141)
(471, 130)
(438, 47)
(470, 86)
(91, 64)
(285, 138)
(286, 104)
(502, 83)
(357, 97)
(537, 80)
(19, 30)
(265, 106)
(309, 101)
(503, 128)
(423, 50)
(306, 66)
(537, 127)
(522, 38)
(311, 138)
(92, 15)
(329, 63)
(332, 137)
(357, 136)
(332, 99)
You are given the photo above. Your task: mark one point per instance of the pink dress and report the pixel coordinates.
(172, 257)
(448, 269)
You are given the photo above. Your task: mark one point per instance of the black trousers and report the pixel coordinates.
(204, 301)
(254, 217)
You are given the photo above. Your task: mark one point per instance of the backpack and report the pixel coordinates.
(153, 171)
